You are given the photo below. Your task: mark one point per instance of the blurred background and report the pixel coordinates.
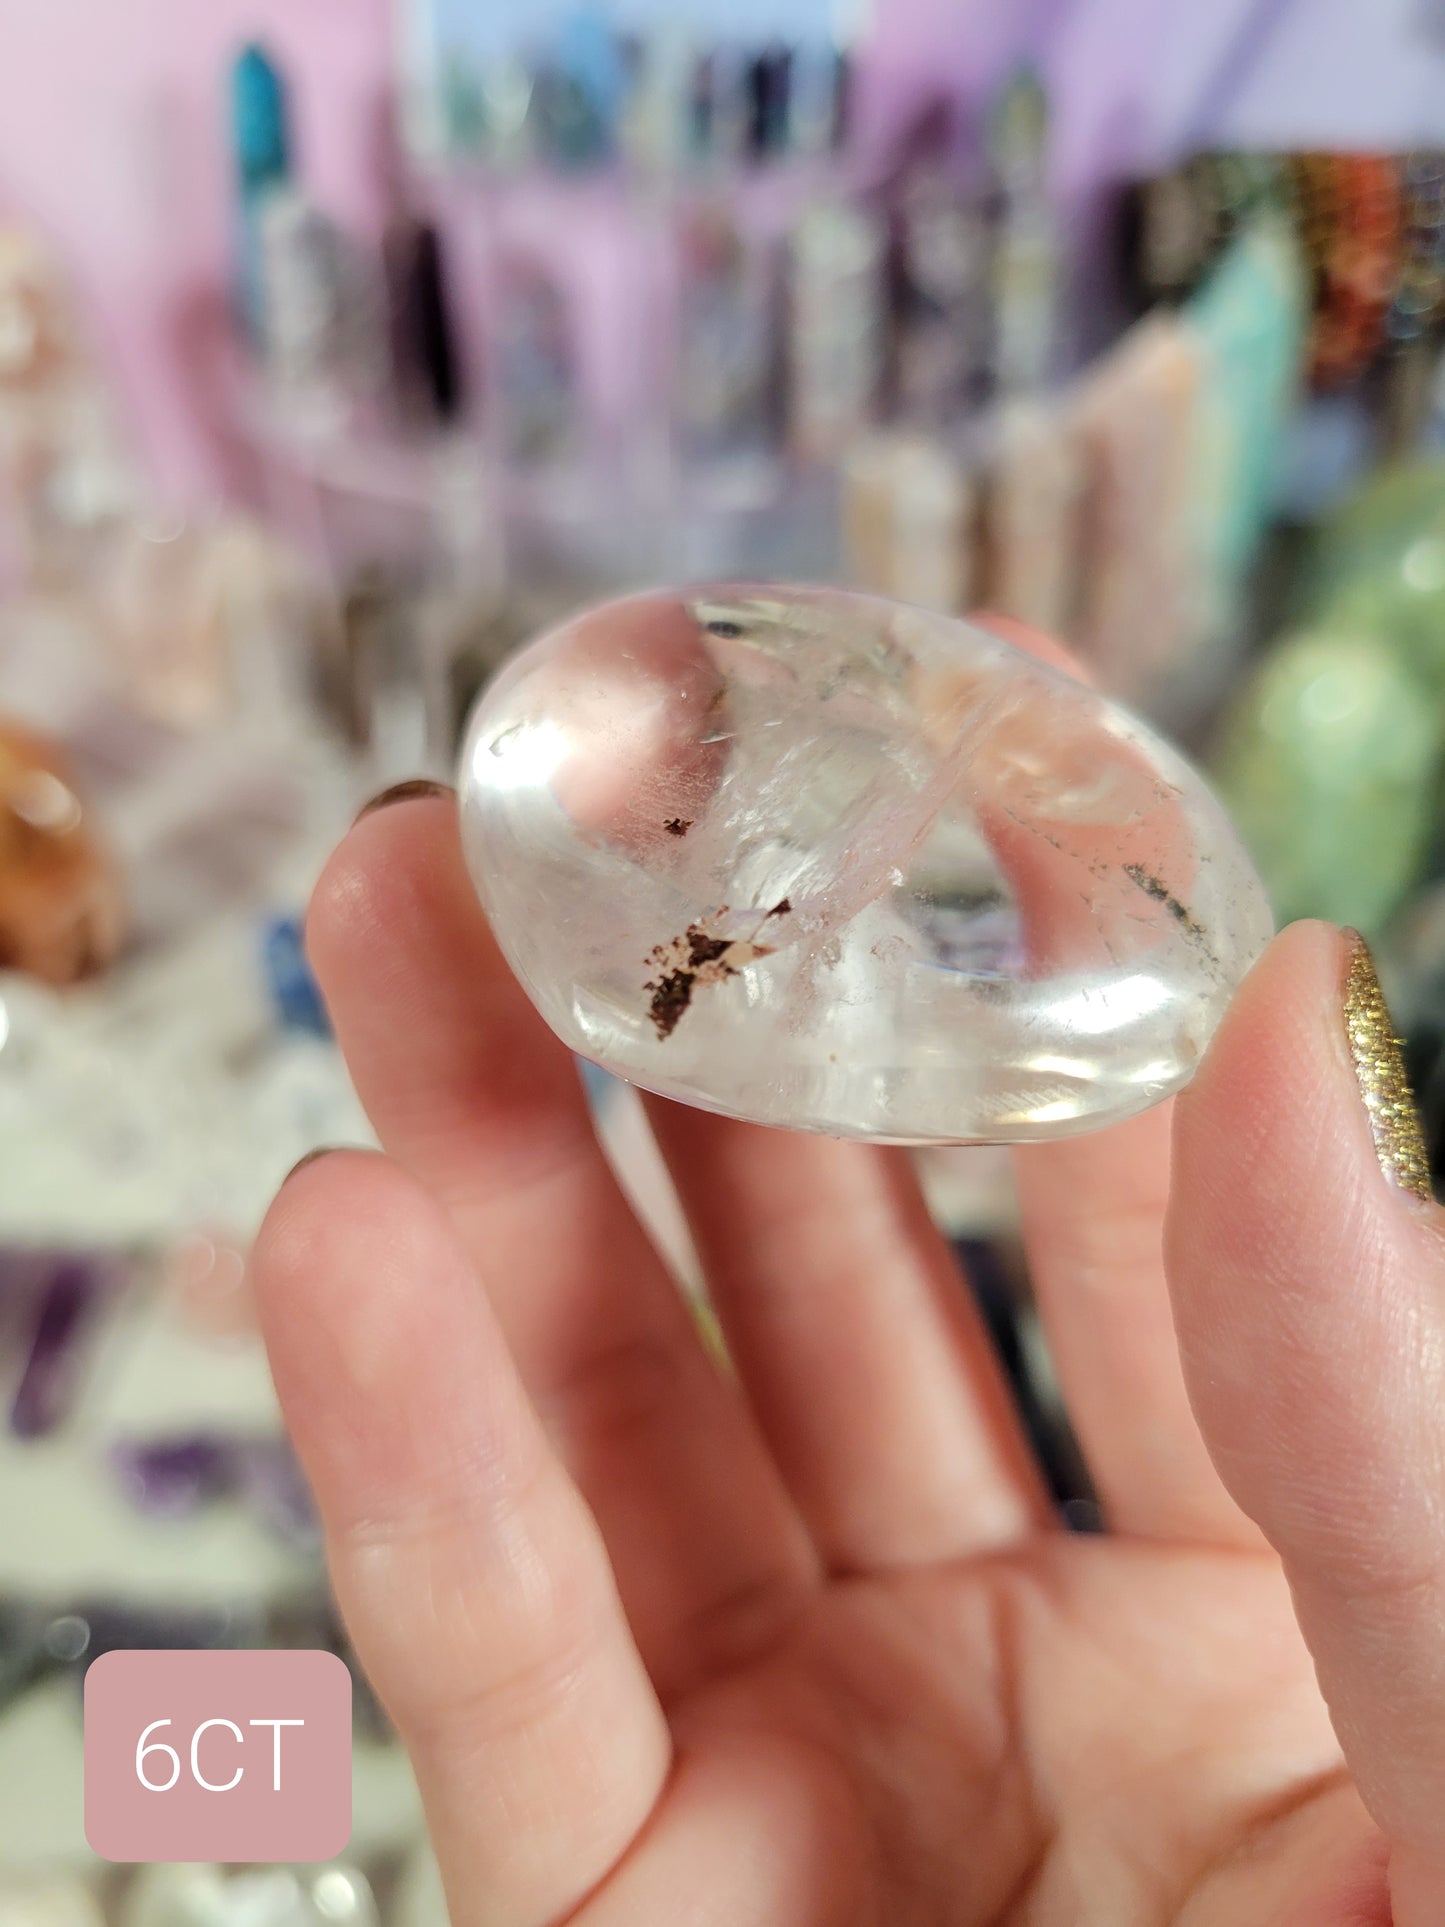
(346, 343)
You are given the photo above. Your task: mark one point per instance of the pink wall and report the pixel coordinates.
(113, 137)
(113, 142)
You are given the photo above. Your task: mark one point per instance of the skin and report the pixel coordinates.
(801, 1644)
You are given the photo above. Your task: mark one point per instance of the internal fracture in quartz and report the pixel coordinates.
(833, 864)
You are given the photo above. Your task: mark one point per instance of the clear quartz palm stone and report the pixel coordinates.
(829, 863)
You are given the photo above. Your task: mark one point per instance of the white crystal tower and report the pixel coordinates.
(838, 865)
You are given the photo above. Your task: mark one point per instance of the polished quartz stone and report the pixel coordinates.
(838, 865)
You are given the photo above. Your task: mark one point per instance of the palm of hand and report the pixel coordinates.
(987, 1742)
(800, 1647)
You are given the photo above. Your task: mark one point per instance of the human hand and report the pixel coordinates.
(804, 1645)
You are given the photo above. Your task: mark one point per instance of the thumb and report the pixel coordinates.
(1307, 1271)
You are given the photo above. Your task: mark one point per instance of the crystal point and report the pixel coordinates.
(833, 864)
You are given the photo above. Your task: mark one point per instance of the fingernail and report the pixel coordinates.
(1380, 1072)
(310, 1157)
(413, 787)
